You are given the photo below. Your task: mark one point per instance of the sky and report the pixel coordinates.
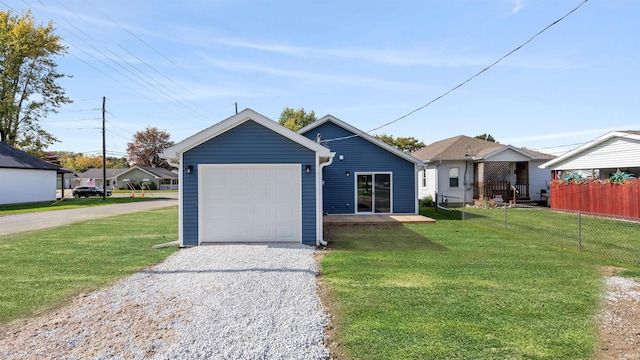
(182, 66)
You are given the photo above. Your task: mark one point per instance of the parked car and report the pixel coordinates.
(86, 191)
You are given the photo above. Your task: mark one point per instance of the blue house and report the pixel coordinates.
(249, 179)
(367, 176)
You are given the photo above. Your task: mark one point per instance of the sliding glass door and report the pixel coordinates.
(373, 192)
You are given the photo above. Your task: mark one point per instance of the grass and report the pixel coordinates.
(455, 290)
(69, 203)
(41, 269)
(603, 238)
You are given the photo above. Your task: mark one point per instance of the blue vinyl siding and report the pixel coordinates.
(248, 143)
(361, 155)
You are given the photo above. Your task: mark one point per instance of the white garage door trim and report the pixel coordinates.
(249, 203)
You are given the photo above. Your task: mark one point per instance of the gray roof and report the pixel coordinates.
(463, 147)
(160, 172)
(113, 173)
(11, 157)
(97, 173)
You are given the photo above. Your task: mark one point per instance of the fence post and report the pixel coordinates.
(579, 231)
(463, 207)
(505, 218)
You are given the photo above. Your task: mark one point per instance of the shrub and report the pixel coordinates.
(427, 201)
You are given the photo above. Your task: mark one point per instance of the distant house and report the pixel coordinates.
(162, 178)
(67, 180)
(463, 168)
(601, 157)
(25, 178)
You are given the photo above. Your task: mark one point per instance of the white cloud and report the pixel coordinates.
(326, 78)
(517, 6)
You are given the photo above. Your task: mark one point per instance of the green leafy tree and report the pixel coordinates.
(486, 137)
(406, 144)
(29, 89)
(86, 162)
(146, 147)
(116, 162)
(78, 162)
(296, 119)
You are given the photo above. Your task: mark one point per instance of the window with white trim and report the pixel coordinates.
(454, 174)
(424, 178)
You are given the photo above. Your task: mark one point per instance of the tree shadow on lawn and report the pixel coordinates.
(387, 237)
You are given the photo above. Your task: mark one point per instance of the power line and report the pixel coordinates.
(157, 89)
(141, 40)
(464, 82)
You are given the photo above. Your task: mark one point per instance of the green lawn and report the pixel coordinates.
(455, 290)
(604, 238)
(450, 290)
(42, 269)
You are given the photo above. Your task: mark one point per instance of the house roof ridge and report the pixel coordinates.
(362, 134)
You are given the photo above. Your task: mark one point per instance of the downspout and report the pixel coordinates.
(437, 181)
(418, 180)
(319, 199)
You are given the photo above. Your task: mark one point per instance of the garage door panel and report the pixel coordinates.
(285, 231)
(263, 232)
(247, 203)
(285, 213)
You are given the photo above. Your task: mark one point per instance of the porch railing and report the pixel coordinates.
(168, 187)
(503, 188)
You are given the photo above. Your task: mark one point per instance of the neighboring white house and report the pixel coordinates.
(25, 178)
(601, 157)
(463, 168)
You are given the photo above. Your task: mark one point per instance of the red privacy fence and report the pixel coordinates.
(596, 196)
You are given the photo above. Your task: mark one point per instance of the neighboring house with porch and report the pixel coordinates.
(601, 157)
(162, 178)
(25, 178)
(461, 169)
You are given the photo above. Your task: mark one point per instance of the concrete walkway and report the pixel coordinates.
(17, 223)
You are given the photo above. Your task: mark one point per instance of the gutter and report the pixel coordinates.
(319, 240)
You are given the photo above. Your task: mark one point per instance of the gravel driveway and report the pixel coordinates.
(207, 302)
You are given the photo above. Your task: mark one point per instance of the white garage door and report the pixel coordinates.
(250, 203)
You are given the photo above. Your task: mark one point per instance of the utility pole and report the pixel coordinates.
(104, 152)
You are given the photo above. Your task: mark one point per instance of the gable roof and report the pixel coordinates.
(12, 157)
(97, 173)
(571, 154)
(159, 172)
(114, 173)
(361, 134)
(463, 147)
(245, 115)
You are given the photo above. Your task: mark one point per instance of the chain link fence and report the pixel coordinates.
(600, 235)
